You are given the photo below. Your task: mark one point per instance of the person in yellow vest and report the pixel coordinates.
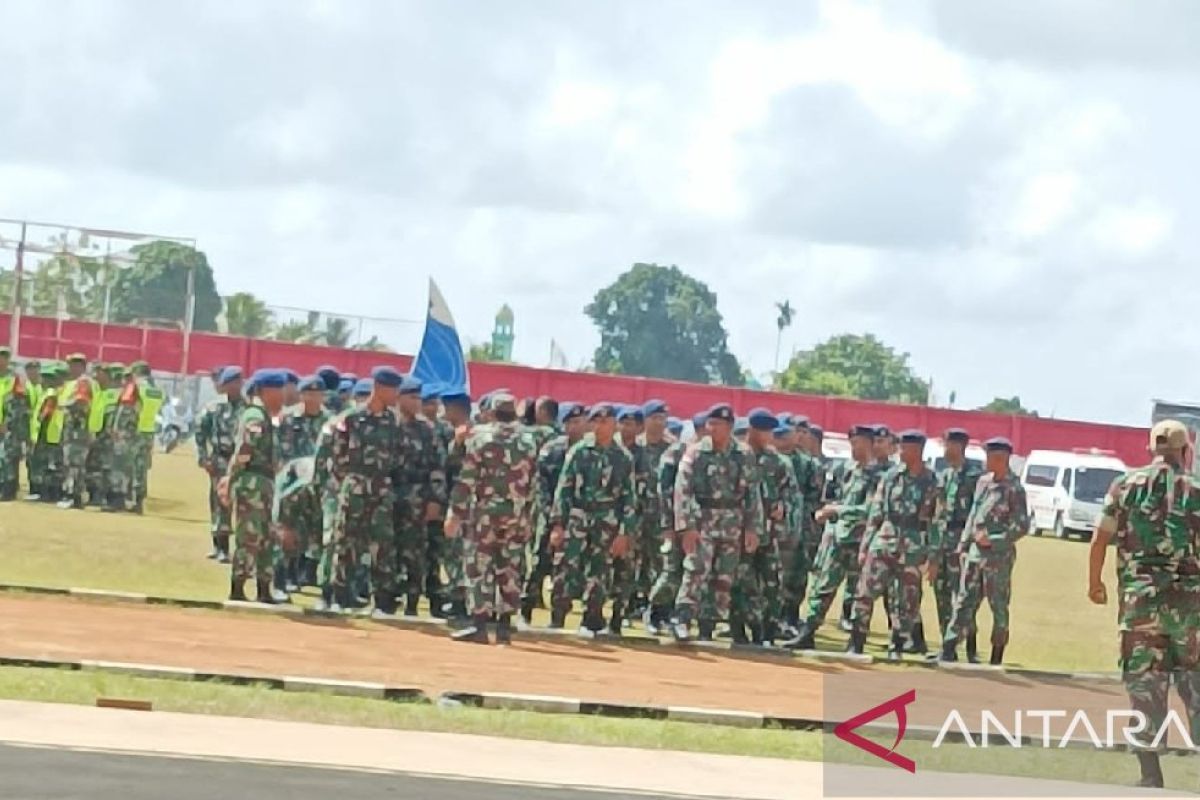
(14, 425)
(46, 428)
(75, 401)
(152, 402)
(99, 457)
(33, 395)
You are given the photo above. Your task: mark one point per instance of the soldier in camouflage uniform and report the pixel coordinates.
(845, 522)
(900, 540)
(551, 457)
(810, 486)
(75, 400)
(126, 414)
(670, 575)
(45, 463)
(214, 446)
(755, 604)
(629, 421)
(1152, 515)
(99, 457)
(364, 457)
(296, 432)
(152, 399)
(958, 481)
(998, 517)
(457, 405)
(494, 493)
(591, 521)
(547, 428)
(420, 486)
(718, 516)
(248, 489)
(654, 441)
(435, 556)
(14, 425)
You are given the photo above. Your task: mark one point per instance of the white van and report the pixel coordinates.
(1066, 490)
(935, 455)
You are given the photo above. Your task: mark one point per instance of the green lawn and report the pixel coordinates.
(1053, 625)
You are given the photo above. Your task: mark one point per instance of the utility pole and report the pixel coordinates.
(14, 331)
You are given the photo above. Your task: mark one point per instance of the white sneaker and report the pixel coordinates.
(521, 625)
(380, 614)
(280, 596)
(681, 632)
(334, 608)
(586, 633)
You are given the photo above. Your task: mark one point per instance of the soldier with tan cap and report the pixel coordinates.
(1152, 515)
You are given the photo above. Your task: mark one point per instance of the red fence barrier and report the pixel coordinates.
(163, 348)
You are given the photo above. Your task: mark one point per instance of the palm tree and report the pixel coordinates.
(373, 344)
(296, 330)
(246, 315)
(336, 333)
(784, 320)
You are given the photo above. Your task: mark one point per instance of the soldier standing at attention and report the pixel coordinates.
(75, 400)
(654, 441)
(152, 401)
(14, 425)
(958, 481)
(99, 457)
(420, 485)
(435, 557)
(493, 494)
(591, 520)
(809, 485)
(900, 540)
(332, 380)
(457, 405)
(296, 434)
(1152, 515)
(127, 412)
(998, 518)
(549, 465)
(214, 446)
(718, 515)
(248, 489)
(629, 420)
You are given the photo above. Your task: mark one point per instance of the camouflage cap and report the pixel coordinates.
(503, 401)
(77, 358)
(1169, 433)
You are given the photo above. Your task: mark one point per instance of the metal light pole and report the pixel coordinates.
(14, 322)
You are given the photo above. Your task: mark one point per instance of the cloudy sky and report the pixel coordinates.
(1005, 190)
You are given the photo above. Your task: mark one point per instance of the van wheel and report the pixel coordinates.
(1060, 530)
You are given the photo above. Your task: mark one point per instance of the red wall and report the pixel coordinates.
(41, 337)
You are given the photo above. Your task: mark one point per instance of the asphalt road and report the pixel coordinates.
(28, 773)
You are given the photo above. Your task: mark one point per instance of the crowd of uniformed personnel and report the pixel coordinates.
(85, 432)
(382, 491)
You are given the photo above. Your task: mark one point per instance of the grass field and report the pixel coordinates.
(1053, 625)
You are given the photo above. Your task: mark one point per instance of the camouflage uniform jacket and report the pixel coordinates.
(652, 501)
(856, 492)
(254, 444)
(596, 479)
(668, 470)
(420, 476)
(778, 490)
(496, 481)
(809, 484)
(215, 433)
(455, 453)
(902, 513)
(550, 460)
(364, 450)
(958, 493)
(296, 433)
(1000, 512)
(542, 434)
(712, 480)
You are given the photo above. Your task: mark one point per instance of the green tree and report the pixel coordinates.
(850, 365)
(246, 315)
(297, 330)
(483, 353)
(155, 286)
(661, 323)
(336, 333)
(783, 321)
(1008, 405)
(77, 281)
(373, 344)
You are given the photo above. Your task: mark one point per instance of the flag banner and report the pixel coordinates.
(440, 360)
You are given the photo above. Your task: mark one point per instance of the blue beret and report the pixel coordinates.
(862, 430)
(230, 374)
(350, 376)
(456, 397)
(269, 379)
(881, 431)
(957, 435)
(290, 376)
(431, 391)
(998, 443)
(761, 419)
(721, 411)
(600, 411)
(387, 376)
(654, 407)
(816, 430)
(344, 385)
(783, 430)
(330, 376)
(363, 387)
(674, 425)
(741, 425)
(912, 436)
(699, 420)
(411, 385)
(798, 421)
(571, 411)
(630, 412)
(312, 383)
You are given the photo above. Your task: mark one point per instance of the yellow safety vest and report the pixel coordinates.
(7, 382)
(36, 392)
(54, 425)
(152, 401)
(103, 400)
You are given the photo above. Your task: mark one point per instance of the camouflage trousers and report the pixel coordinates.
(625, 569)
(1160, 643)
(143, 455)
(125, 447)
(756, 586)
(412, 546)
(836, 563)
(251, 497)
(300, 512)
(492, 560)
(583, 566)
(946, 586)
(45, 472)
(793, 571)
(220, 519)
(647, 547)
(96, 468)
(11, 450)
(75, 444)
(989, 578)
(710, 568)
(329, 503)
(363, 535)
(893, 574)
(542, 561)
(670, 574)
(435, 556)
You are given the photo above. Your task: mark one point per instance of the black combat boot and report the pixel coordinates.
(558, 615)
(410, 605)
(385, 605)
(846, 623)
(617, 620)
(264, 592)
(237, 590)
(116, 503)
(803, 640)
(858, 642)
(950, 651)
(972, 649)
(917, 643)
(997, 656)
(770, 632)
(1152, 777)
(896, 647)
(756, 635)
(475, 633)
(706, 628)
(527, 606)
(504, 629)
(737, 630)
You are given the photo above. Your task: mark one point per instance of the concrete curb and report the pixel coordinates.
(346, 688)
(546, 634)
(708, 716)
(139, 670)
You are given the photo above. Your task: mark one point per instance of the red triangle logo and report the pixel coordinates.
(845, 731)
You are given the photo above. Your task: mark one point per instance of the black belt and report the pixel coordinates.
(725, 505)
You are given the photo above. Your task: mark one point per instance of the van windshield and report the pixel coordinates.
(1039, 475)
(1092, 484)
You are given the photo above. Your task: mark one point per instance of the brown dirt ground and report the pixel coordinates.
(62, 628)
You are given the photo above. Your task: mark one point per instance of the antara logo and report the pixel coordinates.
(845, 731)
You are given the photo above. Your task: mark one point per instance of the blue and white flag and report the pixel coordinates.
(440, 360)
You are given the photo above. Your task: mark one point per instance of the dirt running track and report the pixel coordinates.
(69, 629)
